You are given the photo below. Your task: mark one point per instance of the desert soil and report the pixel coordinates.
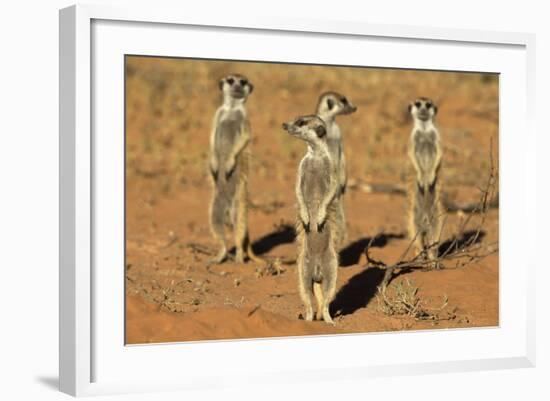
(171, 295)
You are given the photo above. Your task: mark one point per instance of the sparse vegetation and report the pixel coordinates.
(272, 268)
(463, 248)
(403, 299)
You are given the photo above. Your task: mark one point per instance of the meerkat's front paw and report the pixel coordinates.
(214, 169)
(321, 226)
(229, 168)
(214, 174)
(304, 218)
(321, 220)
(342, 189)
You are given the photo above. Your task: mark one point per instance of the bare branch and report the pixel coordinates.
(464, 248)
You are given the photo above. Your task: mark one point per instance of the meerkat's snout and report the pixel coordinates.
(331, 104)
(236, 86)
(293, 127)
(352, 108)
(349, 107)
(309, 128)
(290, 127)
(423, 109)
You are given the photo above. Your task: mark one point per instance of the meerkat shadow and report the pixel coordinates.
(351, 254)
(453, 244)
(283, 234)
(357, 292)
(466, 239)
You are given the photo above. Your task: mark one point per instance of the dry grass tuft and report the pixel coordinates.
(271, 268)
(402, 299)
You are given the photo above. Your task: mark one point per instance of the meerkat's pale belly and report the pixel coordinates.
(227, 133)
(425, 151)
(315, 183)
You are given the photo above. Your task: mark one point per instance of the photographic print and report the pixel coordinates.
(266, 199)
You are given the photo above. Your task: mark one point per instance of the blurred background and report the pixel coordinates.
(171, 102)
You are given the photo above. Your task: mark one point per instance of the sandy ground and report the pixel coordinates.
(172, 296)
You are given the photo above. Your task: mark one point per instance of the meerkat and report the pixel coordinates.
(425, 154)
(330, 105)
(316, 188)
(229, 160)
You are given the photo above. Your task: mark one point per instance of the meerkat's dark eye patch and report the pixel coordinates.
(320, 131)
(417, 104)
(243, 82)
(344, 100)
(300, 122)
(429, 105)
(330, 104)
(230, 81)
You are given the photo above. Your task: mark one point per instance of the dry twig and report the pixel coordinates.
(463, 249)
(402, 299)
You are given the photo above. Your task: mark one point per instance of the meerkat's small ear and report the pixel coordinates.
(320, 131)
(330, 104)
(409, 107)
(251, 88)
(220, 84)
(435, 109)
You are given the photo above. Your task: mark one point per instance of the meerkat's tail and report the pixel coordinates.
(318, 292)
(250, 251)
(253, 256)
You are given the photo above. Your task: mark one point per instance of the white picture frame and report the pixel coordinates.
(92, 359)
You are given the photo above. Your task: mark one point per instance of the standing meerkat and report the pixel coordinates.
(425, 154)
(229, 159)
(316, 189)
(330, 105)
